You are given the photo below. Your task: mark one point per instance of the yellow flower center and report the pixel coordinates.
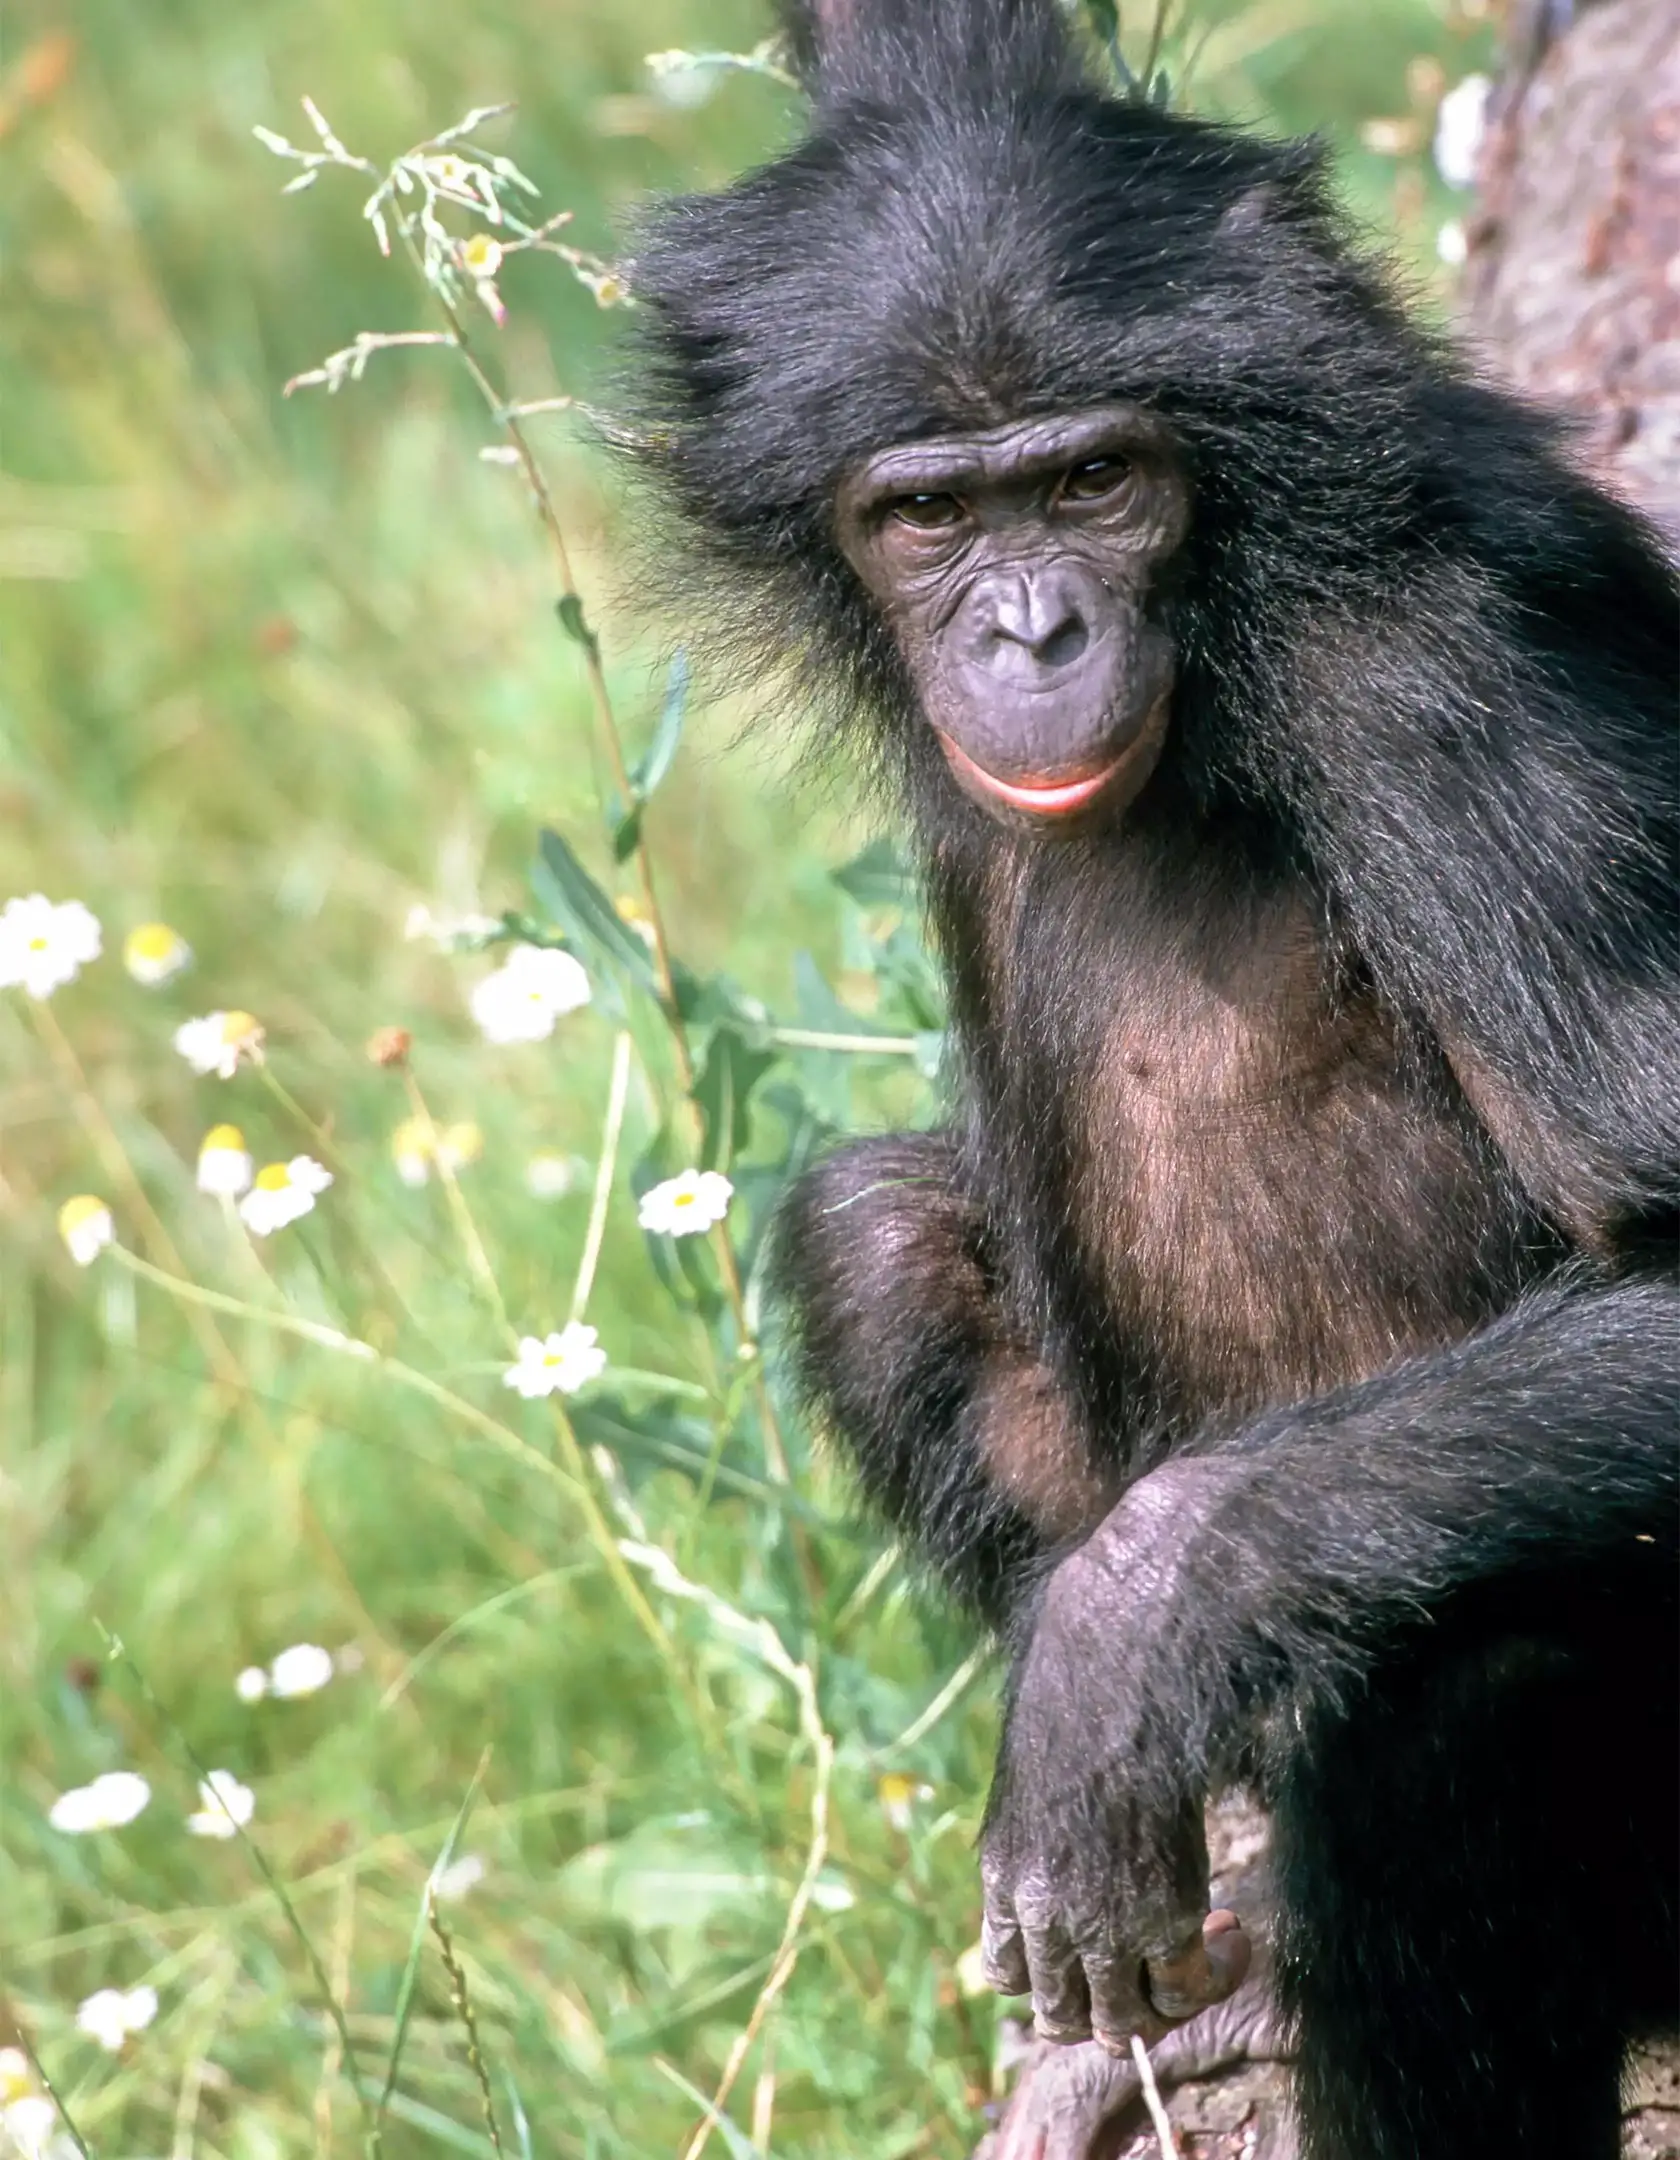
(39, 944)
(274, 1177)
(223, 1140)
(238, 1026)
(152, 941)
(684, 1199)
(82, 1209)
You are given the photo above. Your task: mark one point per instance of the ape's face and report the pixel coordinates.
(1013, 567)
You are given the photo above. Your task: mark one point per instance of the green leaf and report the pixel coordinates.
(723, 1091)
(565, 887)
(626, 834)
(655, 761)
(575, 623)
(1105, 19)
(879, 877)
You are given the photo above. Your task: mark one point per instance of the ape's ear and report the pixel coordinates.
(883, 48)
(1295, 189)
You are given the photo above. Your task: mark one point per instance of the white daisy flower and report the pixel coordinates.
(559, 1363)
(458, 1878)
(224, 1162)
(411, 1150)
(549, 1176)
(522, 1000)
(113, 1799)
(29, 2121)
(898, 1794)
(458, 1145)
(252, 1684)
(1460, 124)
(152, 953)
(417, 1144)
(112, 2015)
(448, 931)
(228, 1806)
(85, 1225)
(1452, 243)
(44, 945)
(217, 1041)
(683, 1205)
(300, 1670)
(16, 2076)
(282, 1192)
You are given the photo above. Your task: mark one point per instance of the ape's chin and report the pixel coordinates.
(1065, 799)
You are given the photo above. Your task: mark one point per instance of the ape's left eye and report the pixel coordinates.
(927, 513)
(1094, 479)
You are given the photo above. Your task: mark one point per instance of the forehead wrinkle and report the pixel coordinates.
(1017, 451)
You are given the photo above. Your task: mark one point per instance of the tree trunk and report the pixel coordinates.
(1572, 288)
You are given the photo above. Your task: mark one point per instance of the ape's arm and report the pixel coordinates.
(956, 1431)
(1271, 1569)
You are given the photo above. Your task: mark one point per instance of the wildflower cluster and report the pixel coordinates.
(304, 1669)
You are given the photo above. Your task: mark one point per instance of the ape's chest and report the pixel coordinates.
(1261, 1185)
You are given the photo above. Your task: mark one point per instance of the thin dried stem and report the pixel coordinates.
(1152, 2099)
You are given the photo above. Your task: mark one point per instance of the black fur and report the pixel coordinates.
(1395, 1304)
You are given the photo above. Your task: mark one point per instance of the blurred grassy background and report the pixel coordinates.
(275, 672)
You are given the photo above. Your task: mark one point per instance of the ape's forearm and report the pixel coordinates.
(955, 1431)
(1285, 1556)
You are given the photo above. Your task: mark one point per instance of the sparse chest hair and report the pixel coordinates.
(1263, 1186)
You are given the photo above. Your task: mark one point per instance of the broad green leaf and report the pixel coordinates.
(655, 761)
(565, 887)
(575, 623)
(879, 877)
(723, 1092)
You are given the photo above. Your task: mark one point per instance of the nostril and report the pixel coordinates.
(1066, 642)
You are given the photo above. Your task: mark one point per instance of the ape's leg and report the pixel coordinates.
(1476, 1867)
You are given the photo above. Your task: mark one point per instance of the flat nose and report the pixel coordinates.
(1043, 615)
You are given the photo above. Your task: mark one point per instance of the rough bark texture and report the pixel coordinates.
(1572, 290)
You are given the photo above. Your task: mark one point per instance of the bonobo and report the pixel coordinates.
(1278, 1345)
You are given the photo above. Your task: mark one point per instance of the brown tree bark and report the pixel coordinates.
(1572, 288)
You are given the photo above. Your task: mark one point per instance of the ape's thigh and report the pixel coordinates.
(1476, 1866)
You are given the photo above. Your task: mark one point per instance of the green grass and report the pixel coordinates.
(274, 672)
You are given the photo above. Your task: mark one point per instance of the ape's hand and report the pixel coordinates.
(1094, 1862)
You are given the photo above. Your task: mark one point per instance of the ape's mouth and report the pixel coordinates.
(1040, 798)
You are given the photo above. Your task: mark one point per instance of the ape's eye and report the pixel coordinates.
(927, 513)
(1094, 479)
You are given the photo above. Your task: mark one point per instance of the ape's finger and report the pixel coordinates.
(1060, 1999)
(1003, 1955)
(1119, 2006)
(1206, 1970)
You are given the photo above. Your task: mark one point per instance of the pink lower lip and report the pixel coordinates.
(1054, 800)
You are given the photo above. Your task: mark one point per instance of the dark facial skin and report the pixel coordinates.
(1014, 567)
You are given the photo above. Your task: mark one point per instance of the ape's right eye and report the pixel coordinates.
(927, 513)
